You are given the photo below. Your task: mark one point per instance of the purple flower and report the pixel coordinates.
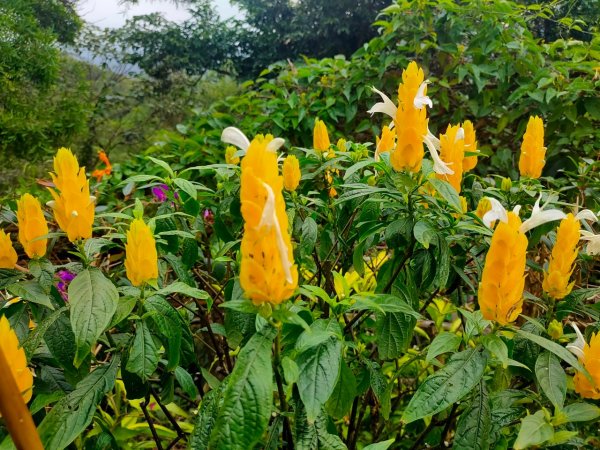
(160, 192)
(65, 279)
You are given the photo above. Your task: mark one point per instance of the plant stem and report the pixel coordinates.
(167, 413)
(287, 431)
(150, 423)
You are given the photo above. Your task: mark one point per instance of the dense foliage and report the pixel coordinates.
(415, 266)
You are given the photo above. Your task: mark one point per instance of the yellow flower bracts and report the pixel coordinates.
(291, 173)
(503, 280)
(410, 122)
(141, 259)
(15, 357)
(452, 152)
(32, 225)
(556, 278)
(533, 152)
(267, 273)
(8, 255)
(73, 206)
(591, 361)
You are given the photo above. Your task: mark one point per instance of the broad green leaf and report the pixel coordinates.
(448, 385)
(166, 318)
(424, 233)
(551, 378)
(319, 332)
(309, 236)
(35, 338)
(182, 288)
(187, 187)
(93, 299)
(248, 398)
(186, 382)
(319, 366)
(496, 345)
(383, 303)
(535, 430)
(443, 343)
(384, 445)
(578, 412)
(31, 291)
(558, 350)
(69, 418)
(143, 353)
(124, 307)
(475, 422)
(343, 394)
(448, 193)
(394, 332)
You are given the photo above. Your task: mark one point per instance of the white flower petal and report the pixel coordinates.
(586, 214)
(593, 246)
(498, 212)
(434, 139)
(275, 144)
(234, 136)
(439, 166)
(385, 107)
(460, 134)
(420, 99)
(51, 204)
(541, 217)
(268, 219)
(576, 347)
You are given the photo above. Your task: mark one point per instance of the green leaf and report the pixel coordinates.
(143, 354)
(551, 378)
(475, 422)
(93, 299)
(383, 303)
(162, 164)
(496, 345)
(69, 418)
(168, 322)
(343, 394)
(580, 412)
(448, 193)
(384, 445)
(448, 385)
(186, 186)
(248, 398)
(309, 236)
(443, 343)
(394, 332)
(558, 350)
(35, 338)
(124, 307)
(181, 288)
(186, 382)
(319, 366)
(31, 291)
(535, 430)
(207, 417)
(424, 233)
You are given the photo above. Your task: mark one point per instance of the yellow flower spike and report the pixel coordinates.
(291, 173)
(503, 280)
(589, 357)
(267, 273)
(386, 142)
(141, 259)
(341, 144)
(321, 141)
(469, 162)
(452, 152)
(533, 152)
(230, 157)
(32, 225)
(411, 120)
(15, 356)
(8, 255)
(73, 206)
(556, 278)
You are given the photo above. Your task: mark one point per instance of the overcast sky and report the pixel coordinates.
(109, 13)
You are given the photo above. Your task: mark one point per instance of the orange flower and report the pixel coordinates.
(589, 356)
(452, 152)
(100, 173)
(556, 278)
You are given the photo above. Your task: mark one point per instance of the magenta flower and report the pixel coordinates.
(65, 278)
(160, 192)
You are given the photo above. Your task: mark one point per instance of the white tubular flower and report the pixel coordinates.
(539, 216)
(275, 144)
(421, 99)
(234, 136)
(439, 166)
(593, 246)
(576, 347)
(268, 219)
(496, 213)
(386, 106)
(586, 214)
(460, 135)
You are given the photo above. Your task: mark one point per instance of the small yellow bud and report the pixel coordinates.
(555, 329)
(321, 141)
(341, 144)
(291, 173)
(32, 225)
(372, 180)
(230, 157)
(506, 185)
